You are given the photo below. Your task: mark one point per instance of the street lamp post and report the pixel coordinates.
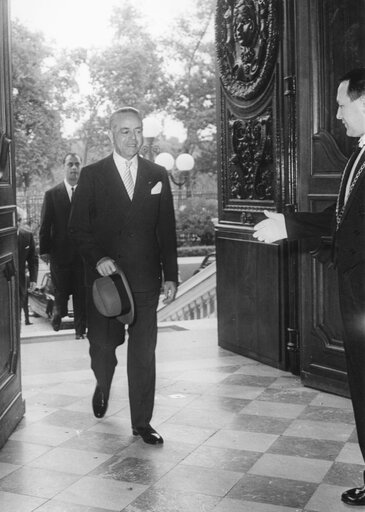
(184, 163)
(151, 128)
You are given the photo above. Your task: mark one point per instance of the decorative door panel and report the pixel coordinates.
(256, 124)
(332, 41)
(11, 402)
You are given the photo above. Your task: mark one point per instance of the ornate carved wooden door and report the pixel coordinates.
(331, 41)
(11, 403)
(281, 148)
(256, 283)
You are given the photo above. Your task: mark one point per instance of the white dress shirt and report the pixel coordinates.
(68, 188)
(120, 162)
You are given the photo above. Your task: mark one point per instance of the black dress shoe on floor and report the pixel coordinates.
(355, 496)
(79, 337)
(56, 322)
(100, 402)
(148, 434)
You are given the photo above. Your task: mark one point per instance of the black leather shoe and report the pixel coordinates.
(79, 337)
(56, 322)
(100, 402)
(148, 434)
(355, 496)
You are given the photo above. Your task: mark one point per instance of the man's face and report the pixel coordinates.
(126, 134)
(72, 168)
(351, 113)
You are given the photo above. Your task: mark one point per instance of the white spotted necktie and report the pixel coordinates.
(128, 180)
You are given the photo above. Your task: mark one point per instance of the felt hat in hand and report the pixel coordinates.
(113, 297)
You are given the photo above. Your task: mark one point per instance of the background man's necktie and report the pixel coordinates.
(128, 180)
(72, 193)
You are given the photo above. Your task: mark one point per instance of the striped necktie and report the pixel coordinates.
(128, 180)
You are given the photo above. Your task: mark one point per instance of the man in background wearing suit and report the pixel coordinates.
(346, 222)
(123, 215)
(27, 260)
(57, 249)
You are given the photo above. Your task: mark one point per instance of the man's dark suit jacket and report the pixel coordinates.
(349, 239)
(53, 233)
(139, 235)
(27, 257)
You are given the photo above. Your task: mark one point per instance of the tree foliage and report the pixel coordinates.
(195, 222)
(128, 72)
(41, 85)
(191, 48)
(173, 76)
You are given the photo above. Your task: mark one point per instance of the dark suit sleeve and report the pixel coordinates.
(166, 232)
(32, 260)
(310, 225)
(45, 230)
(80, 224)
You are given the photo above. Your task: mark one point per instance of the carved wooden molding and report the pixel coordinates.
(249, 172)
(247, 38)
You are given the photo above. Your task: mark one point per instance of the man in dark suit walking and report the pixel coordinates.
(27, 261)
(346, 222)
(57, 249)
(123, 215)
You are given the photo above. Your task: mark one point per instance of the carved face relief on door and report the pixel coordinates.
(247, 41)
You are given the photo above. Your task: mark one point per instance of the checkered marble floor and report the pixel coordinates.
(239, 435)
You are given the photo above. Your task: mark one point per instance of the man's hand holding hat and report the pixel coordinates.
(106, 266)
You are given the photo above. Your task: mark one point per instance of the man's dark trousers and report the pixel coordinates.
(69, 279)
(352, 305)
(141, 365)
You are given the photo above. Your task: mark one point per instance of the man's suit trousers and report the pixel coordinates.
(106, 334)
(352, 305)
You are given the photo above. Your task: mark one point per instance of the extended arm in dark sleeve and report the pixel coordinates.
(310, 225)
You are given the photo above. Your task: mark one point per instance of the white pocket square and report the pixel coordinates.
(157, 188)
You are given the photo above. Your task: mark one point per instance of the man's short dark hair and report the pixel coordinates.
(356, 79)
(75, 155)
(125, 110)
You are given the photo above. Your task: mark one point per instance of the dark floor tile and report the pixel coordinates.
(163, 500)
(348, 475)
(287, 381)
(70, 419)
(248, 380)
(131, 469)
(239, 461)
(353, 438)
(98, 442)
(291, 396)
(260, 424)
(304, 447)
(333, 414)
(276, 491)
(224, 369)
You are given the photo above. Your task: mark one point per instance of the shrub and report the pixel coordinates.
(194, 222)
